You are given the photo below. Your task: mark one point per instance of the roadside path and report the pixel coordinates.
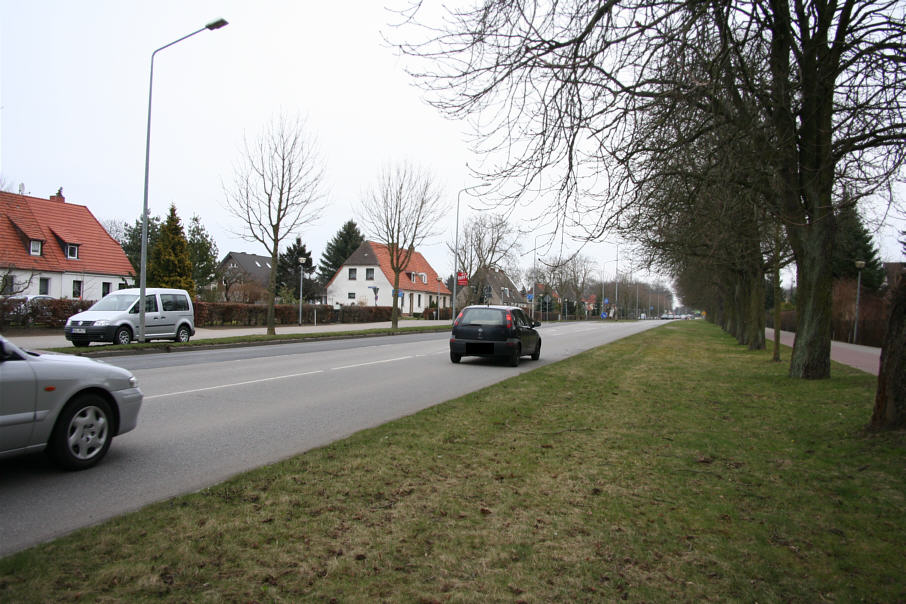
(866, 358)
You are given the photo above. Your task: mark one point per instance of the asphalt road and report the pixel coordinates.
(208, 415)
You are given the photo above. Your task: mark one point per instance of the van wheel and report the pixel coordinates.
(182, 334)
(83, 433)
(123, 336)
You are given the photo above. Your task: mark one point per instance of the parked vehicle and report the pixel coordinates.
(69, 406)
(169, 315)
(494, 331)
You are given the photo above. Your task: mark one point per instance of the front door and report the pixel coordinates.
(18, 397)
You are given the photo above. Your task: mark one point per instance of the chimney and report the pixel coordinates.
(59, 196)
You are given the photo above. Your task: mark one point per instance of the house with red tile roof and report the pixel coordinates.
(367, 279)
(50, 247)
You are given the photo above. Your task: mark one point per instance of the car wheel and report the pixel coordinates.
(455, 357)
(80, 342)
(537, 354)
(123, 336)
(514, 360)
(83, 433)
(182, 334)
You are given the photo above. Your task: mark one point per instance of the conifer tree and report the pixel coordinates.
(202, 253)
(852, 242)
(288, 269)
(344, 243)
(169, 264)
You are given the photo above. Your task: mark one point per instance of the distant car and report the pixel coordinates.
(169, 315)
(494, 331)
(69, 406)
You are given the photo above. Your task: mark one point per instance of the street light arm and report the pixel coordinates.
(217, 24)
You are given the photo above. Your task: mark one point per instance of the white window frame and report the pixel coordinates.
(36, 247)
(72, 251)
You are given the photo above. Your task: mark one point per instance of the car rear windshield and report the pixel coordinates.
(115, 302)
(483, 316)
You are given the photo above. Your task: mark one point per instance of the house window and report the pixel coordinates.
(35, 247)
(72, 251)
(76, 289)
(352, 274)
(350, 296)
(419, 300)
(105, 288)
(369, 274)
(44, 286)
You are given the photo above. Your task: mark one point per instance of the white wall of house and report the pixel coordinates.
(65, 285)
(350, 288)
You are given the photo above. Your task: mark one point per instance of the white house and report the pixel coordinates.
(366, 279)
(50, 247)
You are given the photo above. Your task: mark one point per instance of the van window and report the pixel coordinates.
(151, 303)
(174, 302)
(115, 302)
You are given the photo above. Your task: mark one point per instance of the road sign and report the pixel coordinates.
(530, 297)
(606, 300)
(461, 278)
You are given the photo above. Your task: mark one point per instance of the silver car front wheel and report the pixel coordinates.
(83, 433)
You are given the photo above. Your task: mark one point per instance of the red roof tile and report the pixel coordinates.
(56, 223)
(417, 264)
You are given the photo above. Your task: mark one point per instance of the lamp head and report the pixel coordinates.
(217, 24)
(860, 264)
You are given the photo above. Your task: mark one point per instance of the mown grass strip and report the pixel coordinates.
(673, 465)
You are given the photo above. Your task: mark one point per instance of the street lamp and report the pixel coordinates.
(301, 282)
(144, 259)
(860, 264)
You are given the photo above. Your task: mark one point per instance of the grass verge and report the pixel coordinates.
(673, 465)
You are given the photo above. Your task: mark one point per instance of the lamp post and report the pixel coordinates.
(860, 264)
(301, 283)
(144, 258)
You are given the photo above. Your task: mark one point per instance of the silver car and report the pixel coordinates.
(71, 407)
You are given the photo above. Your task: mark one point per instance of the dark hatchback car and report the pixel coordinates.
(494, 331)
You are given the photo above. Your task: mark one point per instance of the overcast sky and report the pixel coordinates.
(74, 101)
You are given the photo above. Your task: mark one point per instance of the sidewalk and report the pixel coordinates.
(55, 338)
(866, 358)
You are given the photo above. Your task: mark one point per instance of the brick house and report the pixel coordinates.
(50, 247)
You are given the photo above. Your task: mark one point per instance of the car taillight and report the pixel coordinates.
(458, 319)
(509, 321)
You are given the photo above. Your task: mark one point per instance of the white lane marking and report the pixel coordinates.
(370, 363)
(270, 379)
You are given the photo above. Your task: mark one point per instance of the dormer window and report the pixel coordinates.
(35, 247)
(72, 251)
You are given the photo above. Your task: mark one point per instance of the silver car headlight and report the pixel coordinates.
(133, 382)
(102, 323)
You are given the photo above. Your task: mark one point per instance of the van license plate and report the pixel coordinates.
(78, 330)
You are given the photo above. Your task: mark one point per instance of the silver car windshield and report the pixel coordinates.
(116, 302)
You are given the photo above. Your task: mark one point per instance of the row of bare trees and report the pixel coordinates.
(699, 129)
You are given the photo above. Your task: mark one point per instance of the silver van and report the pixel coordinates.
(169, 315)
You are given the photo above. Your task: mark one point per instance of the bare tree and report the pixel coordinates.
(401, 212)
(557, 90)
(277, 189)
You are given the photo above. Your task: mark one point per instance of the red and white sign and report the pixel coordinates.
(461, 278)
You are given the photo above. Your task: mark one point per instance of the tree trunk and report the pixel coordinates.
(778, 294)
(272, 294)
(394, 314)
(811, 350)
(890, 400)
(755, 320)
